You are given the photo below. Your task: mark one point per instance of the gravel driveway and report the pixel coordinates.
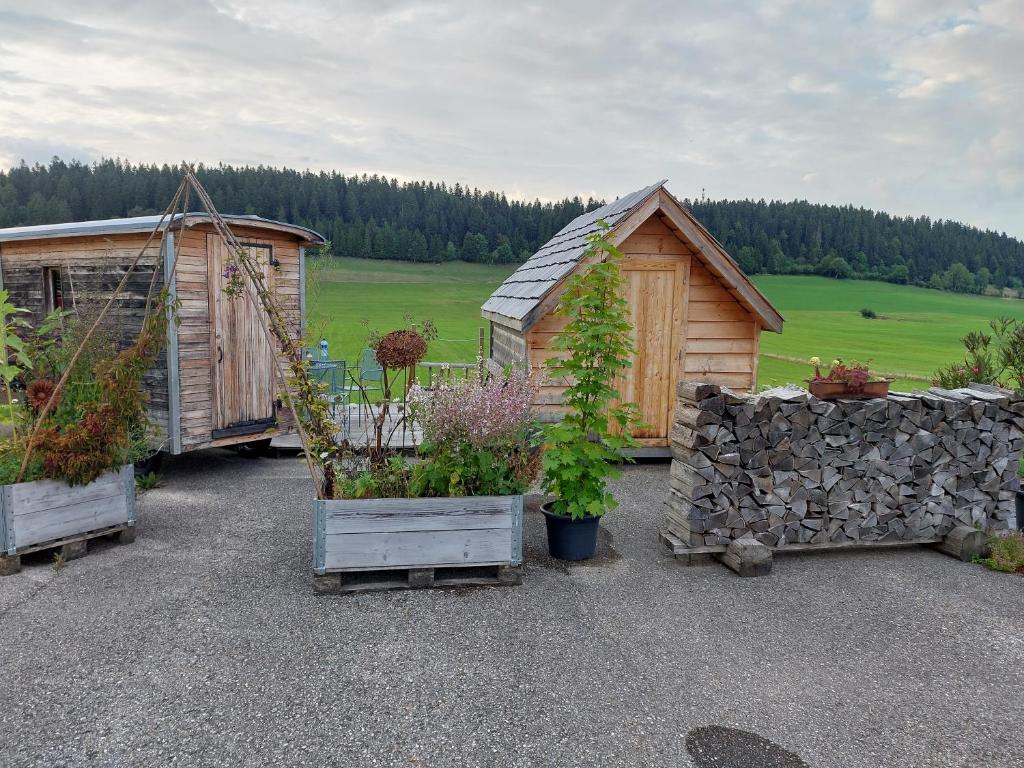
(203, 644)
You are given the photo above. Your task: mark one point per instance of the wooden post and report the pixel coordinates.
(421, 577)
(748, 557)
(963, 543)
(74, 550)
(480, 354)
(10, 564)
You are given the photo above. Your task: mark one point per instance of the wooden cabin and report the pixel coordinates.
(695, 314)
(217, 384)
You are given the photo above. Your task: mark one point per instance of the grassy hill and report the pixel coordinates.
(916, 331)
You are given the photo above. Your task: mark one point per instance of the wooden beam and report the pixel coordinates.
(508, 322)
(173, 368)
(302, 291)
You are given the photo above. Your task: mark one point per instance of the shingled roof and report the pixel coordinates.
(515, 300)
(525, 287)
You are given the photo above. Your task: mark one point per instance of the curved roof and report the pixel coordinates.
(518, 301)
(145, 224)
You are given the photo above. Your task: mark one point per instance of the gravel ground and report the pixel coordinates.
(203, 644)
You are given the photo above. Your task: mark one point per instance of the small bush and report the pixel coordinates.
(148, 481)
(1006, 553)
(868, 314)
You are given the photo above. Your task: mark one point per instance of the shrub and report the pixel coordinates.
(581, 451)
(476, 437)
(1006, 553)
(995, 358)
(98, 420)
(81, 452)
(868, 314)
(481, 413)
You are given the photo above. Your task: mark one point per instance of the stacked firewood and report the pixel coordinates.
(789, 469)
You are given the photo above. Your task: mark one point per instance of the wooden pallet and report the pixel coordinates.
(340, 582)
(751, 558)
(69, 547)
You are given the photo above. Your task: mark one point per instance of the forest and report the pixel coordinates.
(381, 218)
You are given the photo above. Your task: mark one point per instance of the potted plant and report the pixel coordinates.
(853, 381)
(581, 451)
(66, 466)
(454, 511)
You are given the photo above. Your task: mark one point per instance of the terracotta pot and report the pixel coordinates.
(838, 390)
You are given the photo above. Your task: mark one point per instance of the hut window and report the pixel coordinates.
(53, 289)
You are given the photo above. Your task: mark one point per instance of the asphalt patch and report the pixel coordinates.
(715, 746)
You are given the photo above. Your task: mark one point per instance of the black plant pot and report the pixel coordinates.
(570, 539)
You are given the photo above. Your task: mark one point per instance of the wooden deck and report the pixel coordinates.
(358, 428)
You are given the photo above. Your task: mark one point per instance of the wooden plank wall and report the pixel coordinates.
(508, 346)
(712, 337)
(721, 334)
(194, 312)
(91, 268)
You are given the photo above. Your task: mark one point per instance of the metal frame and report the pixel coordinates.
(7, 521)
(319, 536)
(517, 530)
(128, 476)
(173, 363)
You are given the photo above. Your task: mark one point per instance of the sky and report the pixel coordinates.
(908, 106)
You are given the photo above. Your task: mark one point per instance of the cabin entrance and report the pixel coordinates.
(654, 291)
(241, 357)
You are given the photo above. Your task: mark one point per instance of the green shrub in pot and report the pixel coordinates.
(582, 450)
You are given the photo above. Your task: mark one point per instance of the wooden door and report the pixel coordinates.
(242, 358)
(654, 289)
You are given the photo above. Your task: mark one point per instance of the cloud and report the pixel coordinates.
(904, 105)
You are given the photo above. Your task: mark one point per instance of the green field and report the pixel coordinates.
(917, 330)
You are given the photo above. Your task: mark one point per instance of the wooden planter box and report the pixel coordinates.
(421, 542)
(51, 513)
(830, 390)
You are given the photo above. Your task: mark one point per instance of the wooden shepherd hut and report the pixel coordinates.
(695, 314)
(217, 384)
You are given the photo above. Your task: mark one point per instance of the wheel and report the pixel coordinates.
(254, 449)
(150, 465)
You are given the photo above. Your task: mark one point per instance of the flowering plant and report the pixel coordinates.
(991, 358)
(476, 437)
(853, 374)
(480, 413)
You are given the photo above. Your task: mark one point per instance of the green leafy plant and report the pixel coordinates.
(387, 479)
(467, 470)
(148, 481)
(868, 314)
(581, 451)
(1006, 553)
(995, 358)
(476, 436)
(15, 360)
